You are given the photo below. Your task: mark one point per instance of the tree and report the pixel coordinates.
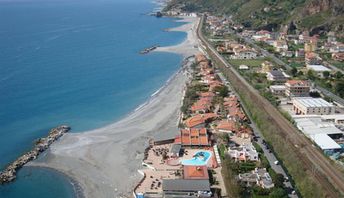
(278, 193)
(326, 74)
(339, 88)
(338, 75)
(294, 71)
(260, 191)
(314, 94)
(300, 73)
(278, 180)
(222, 90)
(311, 75)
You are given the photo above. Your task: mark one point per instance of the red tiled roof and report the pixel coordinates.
(199, 119)
(298, 83)
(196, 172)
(228, 125)
(194, 136)
(201, 58)
(207, 94)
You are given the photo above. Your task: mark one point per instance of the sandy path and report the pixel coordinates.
(105, 161)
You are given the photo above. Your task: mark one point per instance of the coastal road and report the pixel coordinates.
(327, 174)
(280, 62)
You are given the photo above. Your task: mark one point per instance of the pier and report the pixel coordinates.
(149, 49)
(42, 144)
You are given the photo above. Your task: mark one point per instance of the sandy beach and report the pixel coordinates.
(105, 161)
(189, 46)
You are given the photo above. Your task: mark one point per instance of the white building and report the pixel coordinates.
(245, 152)
(312, 106)
(244, 53)
(319, 69)
(259, 177)
(277, 89)
(243, 67)
(319, 130)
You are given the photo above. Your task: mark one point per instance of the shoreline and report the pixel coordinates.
(91, 158)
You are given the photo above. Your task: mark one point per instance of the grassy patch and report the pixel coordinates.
(250, 63)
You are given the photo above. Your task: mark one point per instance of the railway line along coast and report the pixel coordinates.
(314, 174)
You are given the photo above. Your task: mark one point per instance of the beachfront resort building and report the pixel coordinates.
(186, 188)
(297, 88)
(195, 172)
(312, 106)
(194, 137)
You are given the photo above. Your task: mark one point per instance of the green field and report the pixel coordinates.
(250, 63)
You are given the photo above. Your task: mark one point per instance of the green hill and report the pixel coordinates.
(313, 15)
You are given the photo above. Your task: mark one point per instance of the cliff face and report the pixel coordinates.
(336, 7)
(313, 15)
(317, 6)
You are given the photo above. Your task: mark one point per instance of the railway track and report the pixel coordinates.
(327, 174)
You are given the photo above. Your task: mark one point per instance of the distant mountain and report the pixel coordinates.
(314, 15)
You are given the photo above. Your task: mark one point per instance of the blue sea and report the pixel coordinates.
(73, 62)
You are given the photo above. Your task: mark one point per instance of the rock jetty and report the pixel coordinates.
(149, 49)
(42, 144)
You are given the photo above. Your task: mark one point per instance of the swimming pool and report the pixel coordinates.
(199, 159)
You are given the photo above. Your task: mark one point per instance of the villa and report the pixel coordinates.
(244, 53)
(201, 106)
(244, 152)
(259, 177)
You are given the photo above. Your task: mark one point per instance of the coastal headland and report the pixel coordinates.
(105, 161)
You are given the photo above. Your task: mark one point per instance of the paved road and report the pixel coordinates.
(331, 95)
(326, 174)
(332, 67)
(268, 154)
(265, 52)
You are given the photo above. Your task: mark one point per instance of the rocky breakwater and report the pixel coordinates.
(42, 144)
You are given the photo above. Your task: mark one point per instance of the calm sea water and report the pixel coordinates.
(73, 62)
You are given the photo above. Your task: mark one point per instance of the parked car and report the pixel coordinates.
(276, 162)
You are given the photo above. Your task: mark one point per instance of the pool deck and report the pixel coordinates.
(198, 162)
(158, 169)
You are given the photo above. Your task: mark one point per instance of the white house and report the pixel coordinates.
(244, 152)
